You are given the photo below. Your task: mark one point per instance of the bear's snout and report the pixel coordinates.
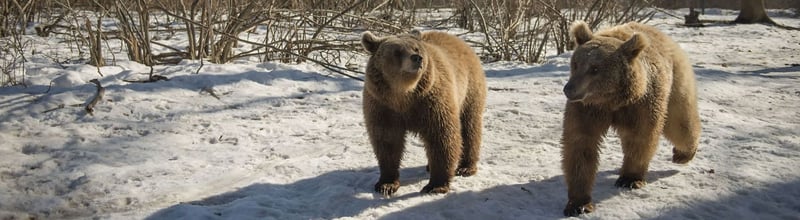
(413, 63)
(569, 91)
(575, 92)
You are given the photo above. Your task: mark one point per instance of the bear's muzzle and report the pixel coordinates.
(569, 91)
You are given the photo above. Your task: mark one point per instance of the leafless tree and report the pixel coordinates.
(753, 11)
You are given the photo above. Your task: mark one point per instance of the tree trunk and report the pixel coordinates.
(752, 11)
(693, 19)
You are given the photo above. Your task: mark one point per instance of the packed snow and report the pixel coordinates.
(264, 140)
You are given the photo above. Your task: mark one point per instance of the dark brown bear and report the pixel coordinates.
(431, 84)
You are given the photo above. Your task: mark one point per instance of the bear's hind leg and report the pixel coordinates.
(443, 148)
(471, 127)
(682, 129)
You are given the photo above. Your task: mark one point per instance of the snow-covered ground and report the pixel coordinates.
(288, 142)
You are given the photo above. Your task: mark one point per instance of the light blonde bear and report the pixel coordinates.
(635, 79)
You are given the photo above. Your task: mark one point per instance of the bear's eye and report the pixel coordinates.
(594, 71)
(416, 50)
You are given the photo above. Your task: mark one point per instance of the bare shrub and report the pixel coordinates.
(319, 31)
(521, 30)
(134, 29)
(14, 15)
(95, 43)
(594, 12)
(12, 60)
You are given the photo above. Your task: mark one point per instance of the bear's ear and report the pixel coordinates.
(581, 32)
(416, 34)
(631, 48)
(371, 42)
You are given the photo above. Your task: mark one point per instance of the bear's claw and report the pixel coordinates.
(387, 189)
(466, 171)
(438, 189)
(573, 210)
(680, 157)
(630, 183)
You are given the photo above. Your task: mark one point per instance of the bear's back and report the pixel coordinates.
(452, 47)
(461, 62)
(660, 43)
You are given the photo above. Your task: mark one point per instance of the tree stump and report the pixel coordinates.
(693, 19)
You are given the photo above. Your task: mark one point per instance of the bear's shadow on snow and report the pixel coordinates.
(330, 195)
(347, 193)
(787, 69)
(544, 199)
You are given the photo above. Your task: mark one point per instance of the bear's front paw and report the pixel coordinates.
(387, 189)
(681, 157)
(466, 171)
(630, 183)
(574, 209)
(435, 189)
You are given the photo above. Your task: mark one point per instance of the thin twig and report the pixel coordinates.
(198, 68)
(60, 106)
(98, 96)
(49, 87)
(211, 92)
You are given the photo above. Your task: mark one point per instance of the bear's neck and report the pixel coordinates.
(399, 100)
(636, 84)
(382, 91)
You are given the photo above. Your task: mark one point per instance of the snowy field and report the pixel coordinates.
(288, 142)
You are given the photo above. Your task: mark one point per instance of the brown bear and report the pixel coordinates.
(431, 84)
(637, 80)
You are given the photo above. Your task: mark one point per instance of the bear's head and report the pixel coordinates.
(398, 58)
(604, 70)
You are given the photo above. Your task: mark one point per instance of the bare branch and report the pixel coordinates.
(97, 97)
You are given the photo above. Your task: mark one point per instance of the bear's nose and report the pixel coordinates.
(416, 58)
(569, 89)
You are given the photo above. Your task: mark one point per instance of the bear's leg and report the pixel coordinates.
(682, 128)
(581, 138)
(443, 148)
(387, 136)
(388, 144)
(638, 146)
(471, 127)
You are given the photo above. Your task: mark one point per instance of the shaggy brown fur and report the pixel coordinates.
(638, 81)
(431, 84)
